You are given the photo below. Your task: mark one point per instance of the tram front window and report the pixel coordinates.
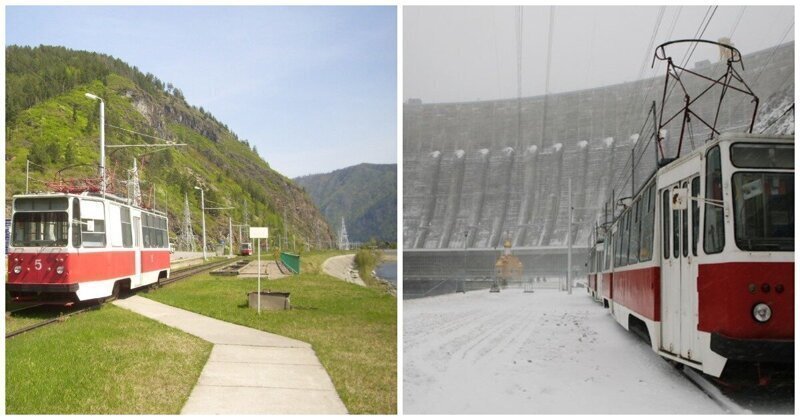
(40, 229)
(763, 205)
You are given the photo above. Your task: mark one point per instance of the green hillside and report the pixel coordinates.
(365, 194)
(50, 122)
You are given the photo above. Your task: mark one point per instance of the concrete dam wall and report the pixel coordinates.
(473, 179)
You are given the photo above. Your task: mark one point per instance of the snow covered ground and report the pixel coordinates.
(542, 352)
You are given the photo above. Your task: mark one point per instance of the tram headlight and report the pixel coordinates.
(60, 269)
(762, 312)
(17, 269)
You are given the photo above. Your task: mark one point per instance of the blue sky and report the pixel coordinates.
(314, 88)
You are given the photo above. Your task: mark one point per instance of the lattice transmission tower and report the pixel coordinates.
(134, 191)
(344, 242)
(187, 235)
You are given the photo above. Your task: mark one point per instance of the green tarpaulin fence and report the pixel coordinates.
(291, 261)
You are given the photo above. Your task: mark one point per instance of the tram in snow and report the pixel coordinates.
(701, 261)
(68, 247)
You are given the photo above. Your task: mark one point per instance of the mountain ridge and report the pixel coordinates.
(51, 123)
(364, 194)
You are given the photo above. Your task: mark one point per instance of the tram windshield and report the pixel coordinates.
(40, 229)
(764, 211)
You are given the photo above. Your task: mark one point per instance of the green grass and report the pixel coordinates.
(365, 261)
(108, 361)
(352, 329)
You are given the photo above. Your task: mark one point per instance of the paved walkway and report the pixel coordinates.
(343, 267)
(249, 371)
(269, 270)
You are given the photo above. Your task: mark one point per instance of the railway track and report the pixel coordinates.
(775, 398)
(24, 308)
(713, 392)
(176, 276)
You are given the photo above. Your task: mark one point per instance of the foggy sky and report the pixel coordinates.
(453, 54)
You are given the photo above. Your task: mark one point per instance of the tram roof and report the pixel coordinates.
(85, 194)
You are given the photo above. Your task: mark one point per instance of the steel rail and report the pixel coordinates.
(713, 392)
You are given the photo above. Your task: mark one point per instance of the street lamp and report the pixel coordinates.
(102, 141)
(203, 212)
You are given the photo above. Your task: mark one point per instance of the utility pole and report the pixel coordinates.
(102, 141)
(166, 203)
(27, 171)
(230, 236)
(569, 239)
(285, 230)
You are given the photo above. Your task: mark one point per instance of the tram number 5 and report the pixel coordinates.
(37, 265)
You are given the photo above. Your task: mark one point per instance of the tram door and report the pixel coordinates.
(137, 246)
(679, 272)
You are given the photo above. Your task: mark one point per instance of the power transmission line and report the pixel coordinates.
(547, 73)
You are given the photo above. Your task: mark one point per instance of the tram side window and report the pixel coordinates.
(76, 223)
(154, 231)
(714, 227)
(161, 232)
(626, 234)
(636, 219)
(601, 258)
(93, 224)
(665, 222)
(164, 233)
(648, 213)
(695, 214)
(125, 220)
(145, 230)
(617, 243)
(685, 227)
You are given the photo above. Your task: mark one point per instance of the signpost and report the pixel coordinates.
(259, 233)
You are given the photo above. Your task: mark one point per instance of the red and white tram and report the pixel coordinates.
(595, 265)
(75, 247)
(702, 259)
(599, 268)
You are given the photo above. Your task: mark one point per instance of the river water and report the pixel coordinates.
(388, 272)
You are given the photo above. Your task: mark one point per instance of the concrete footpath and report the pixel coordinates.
(249, 371)
(343, 267)
(269, 270)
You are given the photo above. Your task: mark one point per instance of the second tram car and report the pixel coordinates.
(74, 247)
(701, 263)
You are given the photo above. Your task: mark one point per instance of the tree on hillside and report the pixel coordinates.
(69, 153)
